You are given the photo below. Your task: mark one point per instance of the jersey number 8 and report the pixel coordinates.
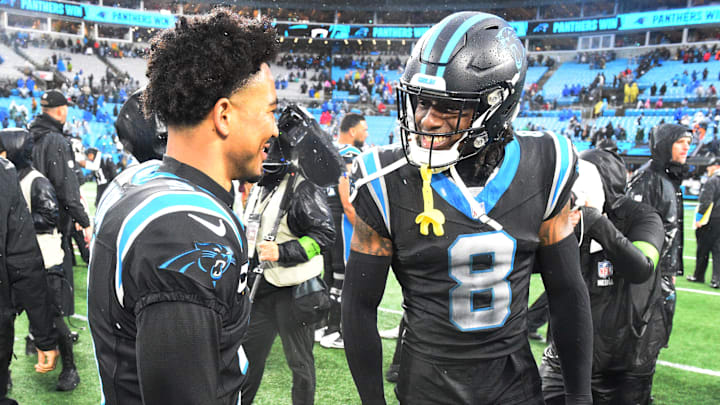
(480, 264)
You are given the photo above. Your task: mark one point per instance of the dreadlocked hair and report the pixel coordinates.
(491, 156)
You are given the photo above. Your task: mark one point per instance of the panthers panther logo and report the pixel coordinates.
(509, 39)
(211, 258)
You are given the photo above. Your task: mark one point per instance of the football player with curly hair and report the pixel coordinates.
(167, 284)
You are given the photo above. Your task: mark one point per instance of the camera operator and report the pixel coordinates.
(291, 214)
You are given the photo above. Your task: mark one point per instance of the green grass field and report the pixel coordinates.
(695, 343)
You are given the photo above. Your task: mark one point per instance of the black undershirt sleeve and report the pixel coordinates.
(365, 277)
(177, 353)
(570, 317)
(629, 261)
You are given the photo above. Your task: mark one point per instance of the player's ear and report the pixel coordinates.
(220, 115)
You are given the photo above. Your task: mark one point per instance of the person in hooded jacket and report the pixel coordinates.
(22, 280)
(619, 252)
(40, 196)
(54, 158)
(657, 183)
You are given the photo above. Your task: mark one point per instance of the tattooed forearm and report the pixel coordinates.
(556, 228)
(366, 240)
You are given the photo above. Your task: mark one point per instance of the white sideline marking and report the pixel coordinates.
(661, 362)
(80, 317)
(698, 291)
(690, 368)
(391, 311)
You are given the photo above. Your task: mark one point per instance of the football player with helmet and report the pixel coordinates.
(462, 209)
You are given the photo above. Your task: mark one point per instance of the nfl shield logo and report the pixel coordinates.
(605, 274)
(604, 269)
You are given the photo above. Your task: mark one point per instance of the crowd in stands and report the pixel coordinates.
(540, 60)
(596, 60)
(86, 45)
(363, 79)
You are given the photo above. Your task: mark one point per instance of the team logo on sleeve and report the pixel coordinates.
(212, 258)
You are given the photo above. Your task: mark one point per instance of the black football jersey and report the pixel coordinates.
(348, 153)
(465, 292)
(162, 238)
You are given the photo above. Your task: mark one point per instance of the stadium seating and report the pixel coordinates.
(87, 64)
(571, 73)
(669, 69)
(11, 67)
(135, 67)
(534, 74)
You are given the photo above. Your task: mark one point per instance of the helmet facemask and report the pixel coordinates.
(467, 114)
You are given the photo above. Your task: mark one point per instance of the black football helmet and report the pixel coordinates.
(469, 60)
(144, 138)
(18, 142)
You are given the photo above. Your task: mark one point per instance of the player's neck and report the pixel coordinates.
(345, 139)
(191, 147)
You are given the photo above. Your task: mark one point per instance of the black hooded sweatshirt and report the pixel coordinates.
(657, 183)
(620, 277)
(54, 158)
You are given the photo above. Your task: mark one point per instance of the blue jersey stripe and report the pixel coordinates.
(451, 193)
(564, 163)
(375, 185)
(349, 149)
(347, 231)
(491, 193)
(456, 37)
(157, 206)
(501, 182)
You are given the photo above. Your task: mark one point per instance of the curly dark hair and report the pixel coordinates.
(201, 60)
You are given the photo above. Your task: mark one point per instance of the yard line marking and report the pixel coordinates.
(697, 291)
(689, 368)
(392, 311)
(80, 317)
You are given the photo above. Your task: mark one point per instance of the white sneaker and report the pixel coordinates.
(390, 333)
(332, 341)
(319, 333)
